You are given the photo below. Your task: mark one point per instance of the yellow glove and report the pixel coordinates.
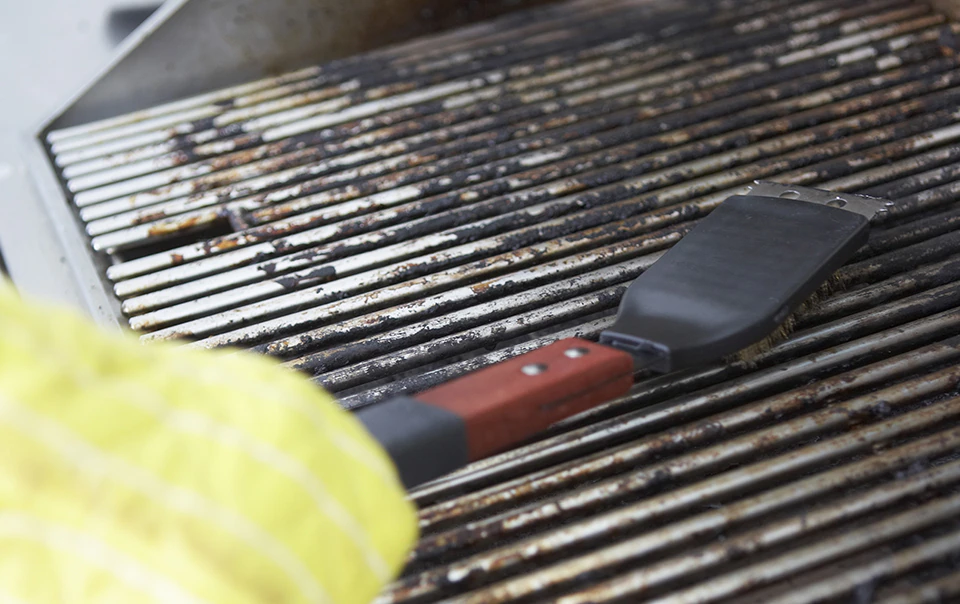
(134, 473)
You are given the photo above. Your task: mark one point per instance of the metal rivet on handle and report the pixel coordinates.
(533, 369)
(575, 353)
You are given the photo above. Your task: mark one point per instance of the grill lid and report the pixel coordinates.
(393, 220)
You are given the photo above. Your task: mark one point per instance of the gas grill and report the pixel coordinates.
(393, 219)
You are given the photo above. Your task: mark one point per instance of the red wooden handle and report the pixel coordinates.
(511, 401)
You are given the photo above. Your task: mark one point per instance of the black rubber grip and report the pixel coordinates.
(733, 279)
(424, 441)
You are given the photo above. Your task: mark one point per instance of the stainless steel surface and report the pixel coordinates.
(866, 207)
(391, 221)
(52, 48)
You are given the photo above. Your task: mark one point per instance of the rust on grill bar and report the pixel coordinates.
(393, 220)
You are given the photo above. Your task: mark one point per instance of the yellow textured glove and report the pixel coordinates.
(134, 473)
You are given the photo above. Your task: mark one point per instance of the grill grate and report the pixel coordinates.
(390, 221)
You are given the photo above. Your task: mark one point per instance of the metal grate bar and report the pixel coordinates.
(846, 510)
(519, 519)
(469, 317)
(189, 253)
(927, 253)
(523, 179)
(824, 551)
(899, 563)
(647, 512)
(477, 292)
(599, 61)
(936, 592)
(299, 113)
(395, 61)
(461, 146)
(606, 208)
(292, 243)
(636, 425)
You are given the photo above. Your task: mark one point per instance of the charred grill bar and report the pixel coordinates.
(392, 220)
